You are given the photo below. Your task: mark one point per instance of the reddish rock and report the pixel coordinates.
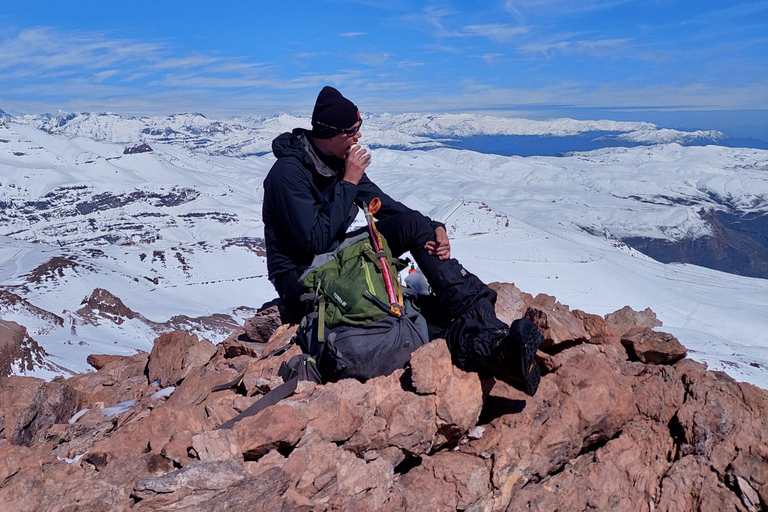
(18, 349)
(447, 481)
(431, 366)
(511, 302)
(16, 394)
(628, 316)
(555, 321)
(99, 360)
(29, 406)
(659, 391)
(329, 414)
(177, 449)
(216, 445)
(175, 354)
(600, 331)
(278, 426)
(623, 475)
(602, 433)
(320, 470)
(262, 326)
(236, 346)
(653, 347)
(280, 338)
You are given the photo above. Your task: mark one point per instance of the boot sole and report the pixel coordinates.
(531, 339)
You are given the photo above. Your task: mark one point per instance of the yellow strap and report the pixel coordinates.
(368, 278)
(321, 321)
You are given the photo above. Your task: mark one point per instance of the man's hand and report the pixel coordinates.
(441, 246)
(358, 160)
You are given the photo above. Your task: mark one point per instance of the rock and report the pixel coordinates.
(511, 302)
(18, 349)
(280, 338)
(276, 427)
(581, 406)
(99, 360)
(215, 445)
(318, 468)
(653, 347)
(120, 367)
(16, 395)
(600, 331)
(175, 354)
(618, 476)
(447, 481)
(604, 432)
(238, 344)
(177, 449)
(139, 148)
(212, 475)
(29, 406)
(555, 322)
(430, 366)
(264, 492)
(330, 415)
(628, 316)
(260, 327)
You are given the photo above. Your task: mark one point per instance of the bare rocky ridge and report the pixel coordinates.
(18, 349)
(622, 421)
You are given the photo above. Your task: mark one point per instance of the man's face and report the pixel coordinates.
(340, 144)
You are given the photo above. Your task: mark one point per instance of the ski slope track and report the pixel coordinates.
(104, 243)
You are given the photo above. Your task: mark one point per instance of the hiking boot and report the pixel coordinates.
(514, 357)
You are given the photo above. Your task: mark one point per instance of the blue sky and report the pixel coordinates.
(255, 57)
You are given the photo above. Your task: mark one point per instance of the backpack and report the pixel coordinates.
(351, 331)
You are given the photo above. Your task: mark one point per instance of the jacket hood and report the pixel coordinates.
(296, 144)
(290, 144)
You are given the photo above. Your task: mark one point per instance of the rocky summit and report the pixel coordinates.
(622, 421)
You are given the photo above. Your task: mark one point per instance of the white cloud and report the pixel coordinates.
(103, 75)
(372, 59)
(491, 58)
(591, 47)
(520, 8)
(495, 31)
(352, 34)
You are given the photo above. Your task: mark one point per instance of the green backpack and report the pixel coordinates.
(351, 331)
(348, 283)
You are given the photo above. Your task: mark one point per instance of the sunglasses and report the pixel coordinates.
(347, 131)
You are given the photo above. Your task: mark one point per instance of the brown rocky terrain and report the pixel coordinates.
(622, 421)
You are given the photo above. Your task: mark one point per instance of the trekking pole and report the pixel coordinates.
(395, 306)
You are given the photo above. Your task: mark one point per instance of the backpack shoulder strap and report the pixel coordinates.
(300, 367)
(284, 390)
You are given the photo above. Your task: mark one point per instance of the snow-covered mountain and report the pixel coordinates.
(253, 136)
(114, 229)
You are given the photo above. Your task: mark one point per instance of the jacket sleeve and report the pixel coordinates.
(313, 225)
(367, 190)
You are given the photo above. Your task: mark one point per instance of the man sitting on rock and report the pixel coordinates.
(311, 198)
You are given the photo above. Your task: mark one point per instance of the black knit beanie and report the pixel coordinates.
(332, 109)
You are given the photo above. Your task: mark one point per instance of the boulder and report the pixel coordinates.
(652, 347)
(175, 354)
(260, 327)
(447, 481)
(628, 316)
(556, 322)
(29, 406)
(276, 427)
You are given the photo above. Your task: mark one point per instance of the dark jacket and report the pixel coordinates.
(306, 213)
